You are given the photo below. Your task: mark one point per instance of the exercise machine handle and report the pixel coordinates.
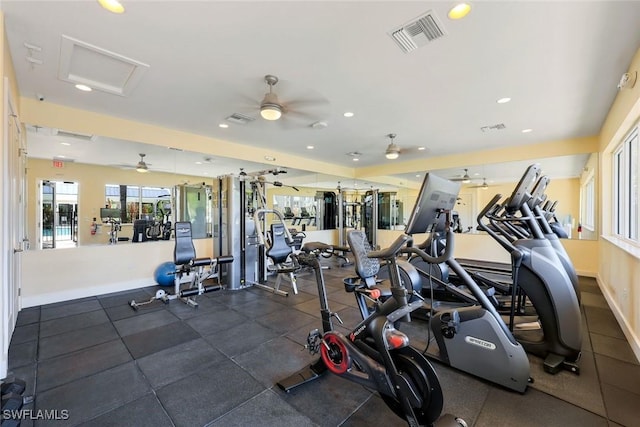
(444, 256)
(393, 249)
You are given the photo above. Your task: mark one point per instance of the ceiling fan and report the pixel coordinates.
(274, 108)
(141, 166)
(465, 179)
(484, 184)
(393, 150)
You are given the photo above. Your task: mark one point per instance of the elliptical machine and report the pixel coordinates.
(375, 354)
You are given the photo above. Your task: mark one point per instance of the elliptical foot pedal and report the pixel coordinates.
(553, 363)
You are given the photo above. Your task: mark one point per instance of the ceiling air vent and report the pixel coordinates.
(240, 119)
(418, 32)
(499, 126)
(68, 134)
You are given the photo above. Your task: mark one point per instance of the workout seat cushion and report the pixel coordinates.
(183, 251)
(366, 267)
(279, 250)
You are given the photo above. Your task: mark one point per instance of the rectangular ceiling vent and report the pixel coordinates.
(499, 126)
(98, 68)
(68, 134)
(239, 119)
(418, 32)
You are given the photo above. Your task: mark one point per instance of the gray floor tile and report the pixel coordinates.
(533, 409)
(618, 373)
(177, 362)
(284, 320)
(264, 410)
(22, 354)
(124, 311)
(240, 338)
(234, 298)
(27, 316)
(144, 412)
(184, 311)
(623, 407)
(328, 400)
(217, 321)
(271, 361)
(153, 340)
(581, 390)
(70, 367)
(593, 300)
(123, 298)
(76, 340)
(374, 409)
(613, 347)
(602, 321)
(207, 395)
(22, 334)
(257, 308)
(142, 322)
(71, 323)
(55, 311)
(92, 396)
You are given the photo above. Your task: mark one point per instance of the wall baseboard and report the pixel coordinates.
(587, 273)
(634, 341)
(49, 298)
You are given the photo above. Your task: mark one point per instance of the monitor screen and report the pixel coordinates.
(436, 195)
(522, 192)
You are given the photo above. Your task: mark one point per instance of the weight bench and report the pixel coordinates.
(188, 266)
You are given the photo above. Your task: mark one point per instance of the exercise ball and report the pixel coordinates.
(165, 273)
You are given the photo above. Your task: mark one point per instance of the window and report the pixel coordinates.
(588, 205)
(626, 191)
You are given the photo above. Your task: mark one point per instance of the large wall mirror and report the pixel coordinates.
(573, 184)
(83, 187)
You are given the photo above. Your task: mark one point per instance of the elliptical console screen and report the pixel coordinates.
(436, 195)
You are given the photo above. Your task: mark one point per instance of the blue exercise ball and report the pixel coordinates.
(165, 273)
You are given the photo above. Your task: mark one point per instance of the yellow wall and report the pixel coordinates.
(619, 264)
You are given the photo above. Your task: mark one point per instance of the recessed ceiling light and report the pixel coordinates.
(355, 159)
(198, 163)
(417, 175)
(348, 114)
(503, 100)
(112, 5)
(270, 158)
(61, 156)
(459, 11)
(83, 88)
(223, 125)
(422, 148)
(64, 143)
(527, 130)
(310, 147)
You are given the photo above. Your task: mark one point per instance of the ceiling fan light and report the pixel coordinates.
(466, 180)
(392, 152)
(271, 111)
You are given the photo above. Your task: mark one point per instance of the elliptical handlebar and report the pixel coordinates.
(444, 256)
(393, 249)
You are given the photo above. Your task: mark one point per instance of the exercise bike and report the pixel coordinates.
(375, 354)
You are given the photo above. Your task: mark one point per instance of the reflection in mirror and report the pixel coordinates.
(573, 181)
(107, 174)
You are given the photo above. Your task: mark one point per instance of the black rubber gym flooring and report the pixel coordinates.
(217, 365)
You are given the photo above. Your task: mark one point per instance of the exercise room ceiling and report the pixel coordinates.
(192, 65)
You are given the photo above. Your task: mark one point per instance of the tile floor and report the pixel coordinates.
(217, 365)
